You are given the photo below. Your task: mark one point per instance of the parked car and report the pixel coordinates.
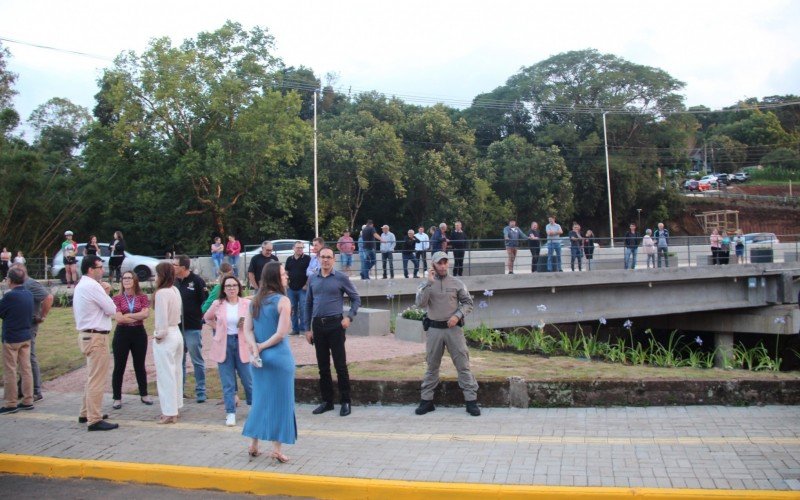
(766, 240)
(722, 178)
(283, 248)
(741, 177)
(144, 267)
(692, 173)
(698, 186)
(710, 178)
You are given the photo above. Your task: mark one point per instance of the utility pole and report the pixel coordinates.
(316, 202)
(608, 183)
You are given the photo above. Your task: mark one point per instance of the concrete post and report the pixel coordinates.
(723, 341)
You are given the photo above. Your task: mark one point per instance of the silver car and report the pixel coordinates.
(144, 267)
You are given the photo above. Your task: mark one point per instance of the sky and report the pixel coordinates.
(423, 51)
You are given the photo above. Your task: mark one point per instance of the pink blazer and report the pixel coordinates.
(220, 338)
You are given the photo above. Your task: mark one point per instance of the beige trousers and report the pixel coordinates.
(94, 347)
(17, 356)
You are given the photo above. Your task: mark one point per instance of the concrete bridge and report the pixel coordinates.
(749, 298)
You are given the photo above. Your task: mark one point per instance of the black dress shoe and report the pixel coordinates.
(323, 408)
(102, 425)
(345, 410)
(424, 407)
(473, 409)
(83, 420)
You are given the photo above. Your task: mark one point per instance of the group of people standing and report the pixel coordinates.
(219, 251)
(69, 254)
(6, 261)
(721, 243)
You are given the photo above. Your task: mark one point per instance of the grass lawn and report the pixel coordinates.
(57, 344)
(488, 365)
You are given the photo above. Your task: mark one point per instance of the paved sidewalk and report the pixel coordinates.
(707, 447)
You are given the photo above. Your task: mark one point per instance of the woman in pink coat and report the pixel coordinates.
(229, 347)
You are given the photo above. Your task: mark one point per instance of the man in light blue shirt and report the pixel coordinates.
(554, 233)
(313, 266)
(388, 242)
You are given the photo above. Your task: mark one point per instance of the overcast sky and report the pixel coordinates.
(724, 51)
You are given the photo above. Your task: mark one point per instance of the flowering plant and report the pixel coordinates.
(414, 313)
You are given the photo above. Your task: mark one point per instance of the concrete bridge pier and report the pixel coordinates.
(724, 344)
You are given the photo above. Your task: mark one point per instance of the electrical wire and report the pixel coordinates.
(478, 102)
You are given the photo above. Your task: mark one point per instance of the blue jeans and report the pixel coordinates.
(193, 344)
(216, 259)
(576, 254)
(233, 260)
(630, 257)
(369, 262)
(413, 258)
(298, 300)
(227, 375)
(347, 260)
(553, 254)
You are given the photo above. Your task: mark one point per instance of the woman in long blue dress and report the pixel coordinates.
(271, 417)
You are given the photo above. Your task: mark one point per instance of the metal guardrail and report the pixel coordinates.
(783, 200)
(683, 250)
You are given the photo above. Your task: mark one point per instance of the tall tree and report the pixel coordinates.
(210, 105)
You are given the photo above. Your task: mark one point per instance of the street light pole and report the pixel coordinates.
(639, 218)
(316, 203)
(608, 183)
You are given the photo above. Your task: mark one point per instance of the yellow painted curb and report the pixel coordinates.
(273, 483)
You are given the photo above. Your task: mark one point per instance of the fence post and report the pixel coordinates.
(689, 250)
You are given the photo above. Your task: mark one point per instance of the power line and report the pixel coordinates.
(478, 102)
(56, 49)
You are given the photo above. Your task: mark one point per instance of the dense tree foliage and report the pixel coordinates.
(213, 136)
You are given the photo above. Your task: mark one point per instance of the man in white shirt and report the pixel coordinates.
(93, 310)
(422, 247)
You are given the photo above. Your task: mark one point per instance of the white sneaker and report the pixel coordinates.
(230, 420)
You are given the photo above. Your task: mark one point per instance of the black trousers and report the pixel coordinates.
(422, 260)
(115, 268)
(131, 339)
(329, 338)
(458, 265)
(534, 259)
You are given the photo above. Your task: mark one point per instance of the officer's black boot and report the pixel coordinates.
(424, 407)
(473, 409)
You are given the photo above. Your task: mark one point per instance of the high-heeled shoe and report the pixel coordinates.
(117, 405)
(253, 451)
(280, 457)
(146, 400)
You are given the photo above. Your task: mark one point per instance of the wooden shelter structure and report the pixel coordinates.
(723, 220)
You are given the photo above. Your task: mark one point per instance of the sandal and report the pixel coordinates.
(280, 457)
(253, 451)
(117, 405)
(167, 420)
(147, 401)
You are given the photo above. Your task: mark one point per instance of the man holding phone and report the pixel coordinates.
(448, 302)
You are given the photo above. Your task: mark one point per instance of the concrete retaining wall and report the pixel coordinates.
(517, 392)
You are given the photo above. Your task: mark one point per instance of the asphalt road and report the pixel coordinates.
(90, 489)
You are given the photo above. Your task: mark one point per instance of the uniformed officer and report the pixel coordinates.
(447, 301)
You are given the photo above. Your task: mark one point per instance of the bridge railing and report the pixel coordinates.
(490, 256)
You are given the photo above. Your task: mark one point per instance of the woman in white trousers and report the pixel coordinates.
(168, 346)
